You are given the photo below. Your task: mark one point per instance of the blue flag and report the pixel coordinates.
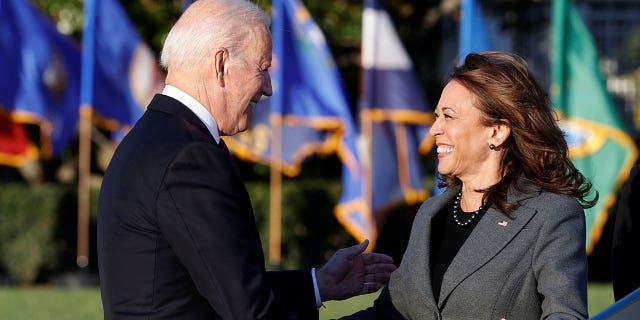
(40, 79)
(120, 74)
(474, 36)
(394, 121)
(186, 4)
(308, 105)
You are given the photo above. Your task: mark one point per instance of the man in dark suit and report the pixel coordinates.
(626, 238)
(176, 231)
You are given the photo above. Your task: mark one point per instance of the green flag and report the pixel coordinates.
(598, 144)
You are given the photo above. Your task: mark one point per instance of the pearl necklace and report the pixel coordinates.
(456, 208)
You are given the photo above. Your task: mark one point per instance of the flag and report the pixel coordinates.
(308, 104)
(119, 77)
(186, 4)
(598, 144)
(474, 36)
(120, 74)
(394, 121)
(307, 114)
(40, 79)
(15, 146)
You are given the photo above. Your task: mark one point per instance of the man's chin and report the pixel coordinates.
(244, 124)
(242, 127)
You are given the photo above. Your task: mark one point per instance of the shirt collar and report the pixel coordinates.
(201, 112)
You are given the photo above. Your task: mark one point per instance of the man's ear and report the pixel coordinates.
(221, 61)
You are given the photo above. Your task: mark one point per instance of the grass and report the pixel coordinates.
(600, 296)
(54, 303)
(50, 303)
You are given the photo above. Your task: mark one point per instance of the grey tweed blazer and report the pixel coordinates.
(533, 266)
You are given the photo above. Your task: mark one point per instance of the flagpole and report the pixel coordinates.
(275, 118)
(84, 193)
(275, 194)
(559, 21)
(84, 134)
(370, 25)
(367, 163)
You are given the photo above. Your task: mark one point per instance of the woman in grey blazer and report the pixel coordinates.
(506, 240)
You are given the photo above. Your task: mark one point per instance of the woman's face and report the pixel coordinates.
(462, 141)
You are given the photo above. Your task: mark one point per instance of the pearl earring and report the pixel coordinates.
(492, 146)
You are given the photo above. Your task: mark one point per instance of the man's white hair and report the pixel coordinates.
(206, 25)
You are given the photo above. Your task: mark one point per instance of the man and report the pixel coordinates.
(176, 232)
(626, 238)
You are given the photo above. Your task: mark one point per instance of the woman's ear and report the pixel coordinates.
(500, 133)
(221, 61)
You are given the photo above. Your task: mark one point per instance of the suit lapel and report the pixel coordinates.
(493, 232)
(194, 125)
(172, 106)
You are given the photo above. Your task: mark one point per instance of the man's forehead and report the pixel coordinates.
(260, 44)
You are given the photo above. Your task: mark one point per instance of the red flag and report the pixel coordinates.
(15, 146)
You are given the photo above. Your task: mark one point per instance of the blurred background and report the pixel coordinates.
(339, 153)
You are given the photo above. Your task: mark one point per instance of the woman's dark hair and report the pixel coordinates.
(507, 93)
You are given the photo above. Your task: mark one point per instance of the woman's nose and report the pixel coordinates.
(435, 129)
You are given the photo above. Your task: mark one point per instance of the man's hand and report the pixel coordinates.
(351, 272)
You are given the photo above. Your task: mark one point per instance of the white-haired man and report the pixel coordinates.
(176, 232)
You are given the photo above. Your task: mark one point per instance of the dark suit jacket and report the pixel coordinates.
(626, 238)
(531, 267)
(176, 231)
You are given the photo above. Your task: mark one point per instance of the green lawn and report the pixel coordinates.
(600, 296)
(51, 303)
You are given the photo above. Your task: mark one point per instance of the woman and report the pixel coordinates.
(506, 240)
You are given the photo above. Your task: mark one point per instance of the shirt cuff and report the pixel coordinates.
(315, 288)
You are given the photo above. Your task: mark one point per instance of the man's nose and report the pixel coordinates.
(266, 86)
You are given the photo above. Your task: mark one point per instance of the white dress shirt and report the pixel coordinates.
(203, 114)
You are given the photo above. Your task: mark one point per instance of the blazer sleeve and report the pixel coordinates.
(295, 289)
(560, 261)
(205, 214)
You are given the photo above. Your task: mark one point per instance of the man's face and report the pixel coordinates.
(246, 80)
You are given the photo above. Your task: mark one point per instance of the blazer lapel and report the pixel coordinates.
(419, 259)
(493, 232)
